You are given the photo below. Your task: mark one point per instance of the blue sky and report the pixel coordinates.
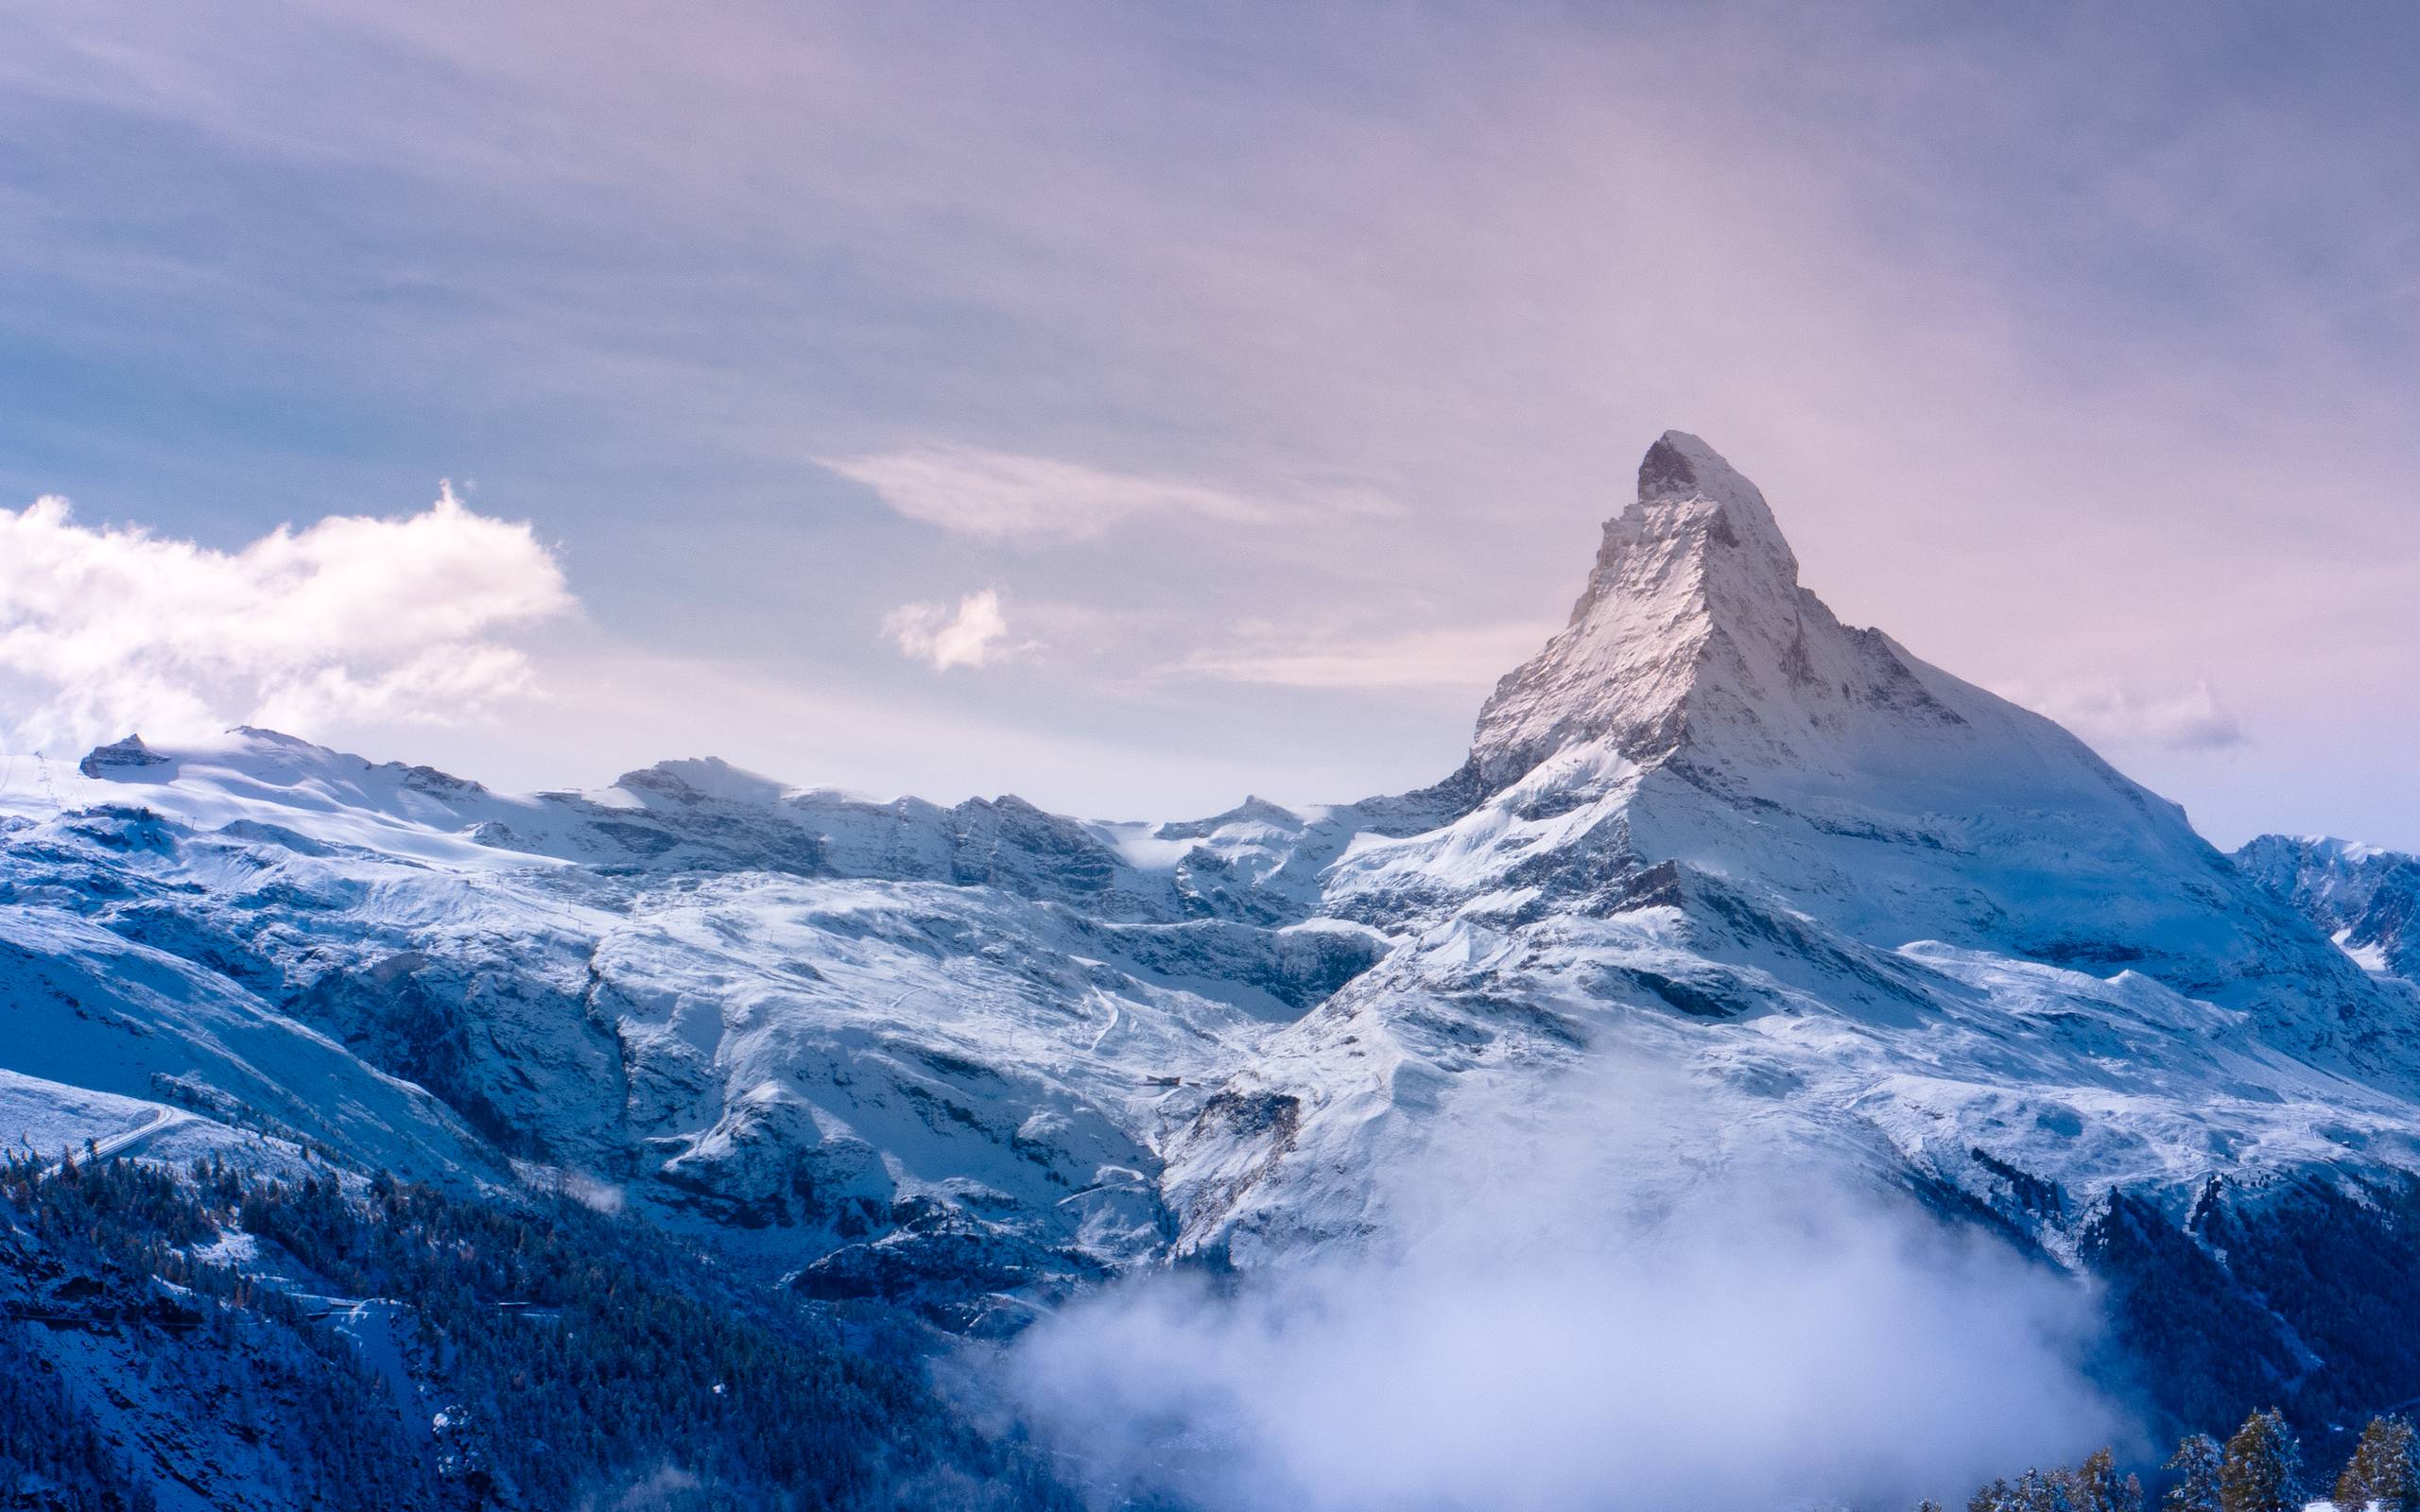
(1134, 407)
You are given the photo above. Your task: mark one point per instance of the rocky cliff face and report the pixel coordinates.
(1693, 631)
(2367, 898)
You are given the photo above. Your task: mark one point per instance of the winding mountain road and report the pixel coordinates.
(158, 1121)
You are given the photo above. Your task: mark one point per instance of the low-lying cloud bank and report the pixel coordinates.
(1765, 1340)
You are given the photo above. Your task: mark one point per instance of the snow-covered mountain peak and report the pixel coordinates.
(119, 755)
(701, 779)
(1682, 470)
(2366, 897)
(1693, 631)
(1705, 728)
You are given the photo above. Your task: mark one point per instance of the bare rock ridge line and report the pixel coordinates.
(1694, 636)
(1641, 634)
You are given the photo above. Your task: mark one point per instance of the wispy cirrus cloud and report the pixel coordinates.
(1459, 657)
(1004, 495)
(108, 629)
(973, 634)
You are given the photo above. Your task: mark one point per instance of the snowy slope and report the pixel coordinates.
(801, 1022)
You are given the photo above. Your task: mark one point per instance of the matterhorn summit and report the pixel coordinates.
(1692, 616)
(1705, 712)
(1695, 642)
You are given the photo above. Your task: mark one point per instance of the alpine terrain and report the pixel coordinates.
(822, 1082)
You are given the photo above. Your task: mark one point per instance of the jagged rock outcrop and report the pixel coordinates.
(2366, 898)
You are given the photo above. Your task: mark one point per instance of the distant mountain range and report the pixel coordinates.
(2368, 900)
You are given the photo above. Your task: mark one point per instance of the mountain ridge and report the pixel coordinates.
(2367, 897)
(974, 1058)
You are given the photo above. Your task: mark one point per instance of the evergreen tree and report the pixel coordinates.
(2383, 1475)
(1997, 1497)
(2038, 1492)
(2262, 1471)
(577, 1354)
(2098, 1488)
(2196, 1464)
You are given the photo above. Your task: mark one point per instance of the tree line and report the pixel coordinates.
(2259, 1469)
(557, 1357)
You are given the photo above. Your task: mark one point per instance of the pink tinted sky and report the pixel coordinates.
(1133, 408)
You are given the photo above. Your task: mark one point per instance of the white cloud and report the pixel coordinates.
(973, 635)
(1590, 1291)
(1004, 494)
(1466, 657)
(109, 629)
(2108, 715)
